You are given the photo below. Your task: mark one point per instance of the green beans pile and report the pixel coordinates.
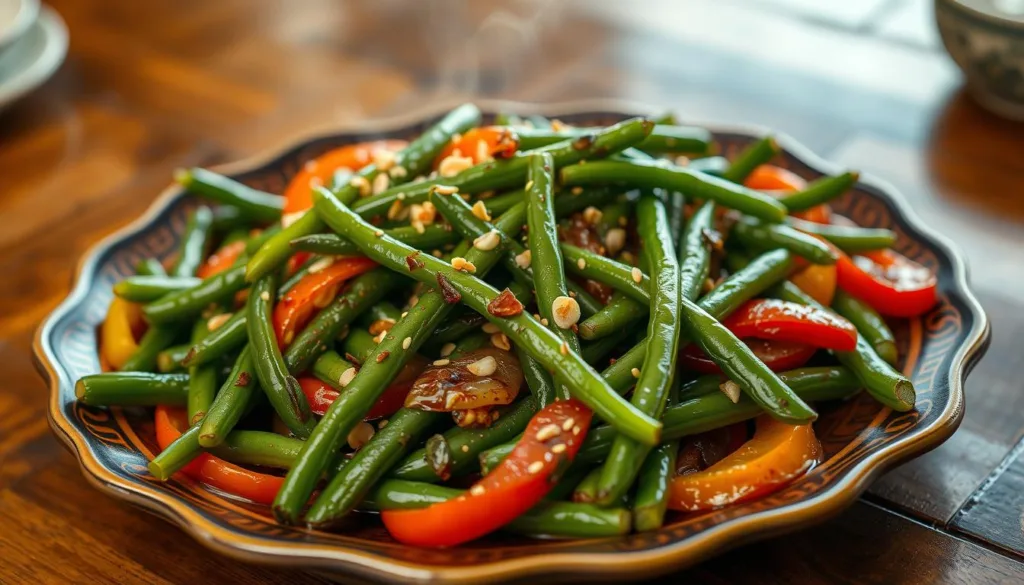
(590, 258)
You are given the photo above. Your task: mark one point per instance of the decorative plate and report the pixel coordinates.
(861, 438)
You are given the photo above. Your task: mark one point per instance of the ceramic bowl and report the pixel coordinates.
(988, 45)
(861, 438)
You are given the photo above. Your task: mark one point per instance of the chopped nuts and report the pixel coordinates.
(490, 328)
(442, 362)
(577, 190)
(523, 259)
(592, 215)
(360, 435)
(289, 218)
(465, 448)
(453, 165)
(564, 348)
(398, 172)
(378, 233)
(535, 467)
(581, 263)
(321, 264)
(447, 349)
(615, 240)
(265, 295)
(483, 367)
(483, 153)
(477, 490)
(488, 241)
(381, 183)
(445, 189)
(566, 312)
(635, 372)
(406, 342)
(637, 275)
(548, 432)
(461, 264)
(379, 337)
(346, 377)
(623, 221)
(360, 182)
(214, 323)
(500, 341)
(397, 211)
(384, 159)
(480, 211)
(544, 321)
(422, 214)
(731, 389)
(569, 422)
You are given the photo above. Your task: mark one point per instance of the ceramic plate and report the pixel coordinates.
(861, 438)
(15, 18)
(31, 59)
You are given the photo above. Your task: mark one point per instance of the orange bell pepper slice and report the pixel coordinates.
(779, 181)
(314, 291)
(482, 144)
(319, 171)
(776, 455)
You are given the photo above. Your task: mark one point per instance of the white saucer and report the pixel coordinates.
(16, 16)
(32, 58)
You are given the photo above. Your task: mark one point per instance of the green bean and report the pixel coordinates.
(504, 174)
(566, 202)
(193, 242)
(433, 236)
(169, 360)
(230, 335)
(521, 329)
(587, 489)
(261, 448)
(546, 258)
(754, 155)
(695, 251)
(186, 304)
(628, 280)
(280, 387)
(456, 328)
(363, 291)
(150, 267)
(821, 191)
(594, 352)
(661, 174)
(132, 389)
(471, 342)
(144, 289)
(850, 239)
(391, 354)
(229, 217)
(415, 159)
(346, 489)
(236, 396)
(653, 487)
(257, 205)
(202, 380)
(614, 318)
(467, 444)
(880, 379)
(652, 387)
(557, 519)
(507, 119)
(711, 165)
(761, 236)
(705, 412)
(156, 339)
(869, 324)
(177, 455)
(688, 139)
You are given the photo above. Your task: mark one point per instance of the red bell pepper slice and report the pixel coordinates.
(314, 291)
(261, 488)
(321, 396)
(891, 283)
(786, 321)
(779, 356)
(778, 454)
(319, 171)
(779, 181)
(221, 260)
(550, 442)
(497, 142)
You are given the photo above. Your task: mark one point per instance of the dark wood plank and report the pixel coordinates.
(866, 544)
(994, 512)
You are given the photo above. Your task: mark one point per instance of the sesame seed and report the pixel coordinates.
(592, 215)
(405, 314)
(548, 432)
(615, 240)
(529, 185)
(378, 233)
(406, 342)
(447, 349)
(635, 372)
(346, 377)
(360, 183)
(488, 241)
(321, 264)
(483, 367)
(453, 165)
(576, 430)
(215, 322)
(559, 448)
(465, 449)
(637, 275)
(381, 183)
(535, 467)
(581, 263)
(265, 295)
(566, 312)
(569, 422)
(577, 190)
(289, 218)
(440, 363)
(384, 159)
(397, 210)
(400, 197)
(398, 172)
(477, 490)
(564, 349)
(544, 321)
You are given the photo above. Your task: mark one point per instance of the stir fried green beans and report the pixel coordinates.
(849, 239)
(869, 324)
(132, 389)
(663, 138)
(432, 237)
(821, 191)
(754, 155)
(202, 380)
(760, 236)
(235, 397)
(144, 289)
(186, 304)
(193, 242)
(257, 205)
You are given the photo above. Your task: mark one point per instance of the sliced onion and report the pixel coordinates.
(452, 386)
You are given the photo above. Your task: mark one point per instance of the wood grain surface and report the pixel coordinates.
(151, 86)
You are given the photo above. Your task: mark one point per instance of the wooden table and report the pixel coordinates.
(151, 86)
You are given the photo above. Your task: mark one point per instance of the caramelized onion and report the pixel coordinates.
(453, 386)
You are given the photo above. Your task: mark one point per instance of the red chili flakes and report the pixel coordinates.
(583, 142)
(413, 261)
(505, 305)
(451, 296)
(382, 356)
(243, 379)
